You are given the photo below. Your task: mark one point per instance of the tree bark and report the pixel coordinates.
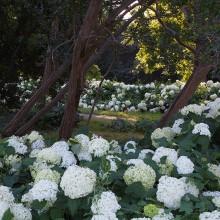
(80, 57)
(22, 113)
(199, 75)
(29, 125)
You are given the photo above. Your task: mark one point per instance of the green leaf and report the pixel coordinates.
(10, 180)
(28, 162)
(56, 213)
(73, 205)
(136, 190)
(8, 215)
(36, 205)
(186, 206)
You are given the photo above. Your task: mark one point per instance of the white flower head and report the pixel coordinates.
(33, 136)
(170, 191)
(140, 173)
(176, 126)
(6, 195)
(192, 108)
(20, 212)
(159, 133)
(111, 216)
(38, 144)
(99, 147)
(143, 153)
(44, 190)
(201, 129)
(190, 187)
(160, 152)
(49, 155)
(17, 144)
(78, 182)
(215, 215)
(4, 206)
(184, 165)
(105, 203)
(47, 174)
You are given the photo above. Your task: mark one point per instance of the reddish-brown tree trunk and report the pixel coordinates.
(199, 75)
(29, 125)
(22, 113)
(79, 59)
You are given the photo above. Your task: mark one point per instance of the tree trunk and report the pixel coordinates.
(29, 125)
(199, 75)
(23, 112)
(80, 57)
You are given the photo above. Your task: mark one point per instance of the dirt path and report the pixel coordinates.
(103, 117)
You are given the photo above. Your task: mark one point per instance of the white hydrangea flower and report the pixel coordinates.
(68, 159)
(170, 191)
(215, 215)
(135, 162)
(34, 153)
(44, 190)
(13, 160)
(15, 142)
(140, 219)
(33, 136)
(215, 195)
(190, 187)
(192, 108)
(48, 174)
(216, 201)
(111, 216)
(211, 193)
(215, 169)
(160, 152)
(49, 155)
(201, 129)
(115, 147)
(78, 182)
(163, 216)
(140, 173)
(6, 195)
(37, 167)
(184, 165)
(104, 204)
(84, 155)
(213, 109)
(143, 153)
(38, 144)
(98, 146)
(159, 133)
(4, 206)
(20, 212)
(176, 126)
(129, 145)
(82, 139)
(112, 159)
(60, 146)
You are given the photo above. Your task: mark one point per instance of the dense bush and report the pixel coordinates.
(176, 176)
(114, 96)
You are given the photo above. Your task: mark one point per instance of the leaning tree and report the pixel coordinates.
(179, 36)
(103, 23)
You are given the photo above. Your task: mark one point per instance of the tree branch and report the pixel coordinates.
(172, 32)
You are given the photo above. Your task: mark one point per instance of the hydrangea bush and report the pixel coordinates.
(177, 177)
(115, 96)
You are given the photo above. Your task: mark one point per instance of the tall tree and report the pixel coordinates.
(109, 24)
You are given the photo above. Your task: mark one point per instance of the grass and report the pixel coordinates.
(101, 126)
(133, 116)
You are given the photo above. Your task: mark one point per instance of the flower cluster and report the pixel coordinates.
(175, 177)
